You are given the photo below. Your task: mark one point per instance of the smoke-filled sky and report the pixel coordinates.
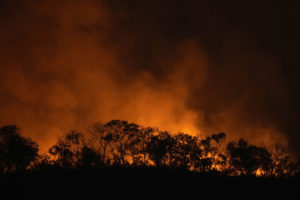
(200, 67)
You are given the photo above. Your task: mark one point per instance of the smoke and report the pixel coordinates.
(191, 67)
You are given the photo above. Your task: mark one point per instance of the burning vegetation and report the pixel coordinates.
(128, 145)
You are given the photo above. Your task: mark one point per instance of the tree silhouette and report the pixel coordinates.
(123, 144)
(68, 149)
(185, 151)
(159, 148)
(88, 158)
(139, 145)
(16, 152)
(101, 139)
(123, 137)
(246, 159)
(127, 143)
(218, 137)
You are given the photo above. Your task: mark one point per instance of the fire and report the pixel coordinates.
(259, 172)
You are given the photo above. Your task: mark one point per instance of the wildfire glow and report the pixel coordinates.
(70, 64)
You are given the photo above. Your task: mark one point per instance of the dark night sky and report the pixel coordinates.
(232, 65)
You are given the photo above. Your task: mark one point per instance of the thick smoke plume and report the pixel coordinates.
(193, 67)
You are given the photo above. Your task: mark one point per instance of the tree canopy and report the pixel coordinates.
(124, 144)
(16, 152)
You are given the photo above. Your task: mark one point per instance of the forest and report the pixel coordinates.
(119, 150)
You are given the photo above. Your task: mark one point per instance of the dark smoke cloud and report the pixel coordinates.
(197, 66)
(251, 83)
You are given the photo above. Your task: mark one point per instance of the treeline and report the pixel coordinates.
(122, 144)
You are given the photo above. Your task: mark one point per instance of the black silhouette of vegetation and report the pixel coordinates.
(16, 152)
(119, 150)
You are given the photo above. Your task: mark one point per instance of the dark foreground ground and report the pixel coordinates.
(137, 183)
